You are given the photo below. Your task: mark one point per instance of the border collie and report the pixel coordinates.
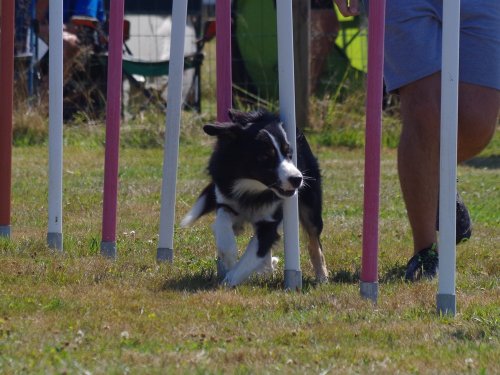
(252, 174)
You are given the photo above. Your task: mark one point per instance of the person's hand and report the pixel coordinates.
(70, 39)
(348, 7)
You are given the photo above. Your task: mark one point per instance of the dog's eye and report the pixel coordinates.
(267, 156)
(287, 151)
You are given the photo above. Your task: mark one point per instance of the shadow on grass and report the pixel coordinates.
(484, 162)
(207, 279)
(345, 277)
(394, 274)
(202, 280)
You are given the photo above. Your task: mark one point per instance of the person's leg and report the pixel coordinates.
(418, 156)
(418, 152)
(478, 108)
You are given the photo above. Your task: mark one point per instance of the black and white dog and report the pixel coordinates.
(252, 174)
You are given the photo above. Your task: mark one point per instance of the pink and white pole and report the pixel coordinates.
(113, 113)
(369, 260)
(293, 273)
(223, 72)
(165, 250)
(446, 298)
(6, 105)
(54, 233)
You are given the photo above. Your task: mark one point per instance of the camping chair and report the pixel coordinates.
(146, 60)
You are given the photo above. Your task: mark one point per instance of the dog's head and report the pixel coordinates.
(253, 155)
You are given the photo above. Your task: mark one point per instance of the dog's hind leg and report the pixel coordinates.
(227, 250)
(256, 254)
(313, 225)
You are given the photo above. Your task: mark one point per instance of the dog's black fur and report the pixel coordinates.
(252, 173)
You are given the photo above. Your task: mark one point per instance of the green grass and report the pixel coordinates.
(79, 313)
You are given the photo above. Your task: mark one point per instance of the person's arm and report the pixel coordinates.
(348, 7)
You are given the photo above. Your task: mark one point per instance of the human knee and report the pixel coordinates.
(478, 113)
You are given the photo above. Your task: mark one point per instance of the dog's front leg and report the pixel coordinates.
(227, 251)
(256, 254)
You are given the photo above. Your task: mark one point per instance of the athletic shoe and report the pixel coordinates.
(464, 224)
(423, 264)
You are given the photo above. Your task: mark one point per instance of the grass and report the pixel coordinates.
(79, 313)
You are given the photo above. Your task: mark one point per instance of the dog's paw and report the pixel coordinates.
(269, 267)
(230, 280)
(274, 262)
(322, 277)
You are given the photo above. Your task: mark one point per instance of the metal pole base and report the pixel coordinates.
(447, 304)
(293, 280)
(5, 231)
(108, 249)
(55, 241)
(164, 254)
(369, 290)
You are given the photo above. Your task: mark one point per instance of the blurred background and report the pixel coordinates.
(330, 55)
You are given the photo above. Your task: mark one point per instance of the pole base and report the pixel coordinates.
(5, 231)
(369, 290)
(164, 254)
(447, 304)
(293, 280)
(108, 249)
(55, 241)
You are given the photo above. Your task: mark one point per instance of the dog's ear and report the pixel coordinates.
(237, 116)
(248, 117)
(221, 129)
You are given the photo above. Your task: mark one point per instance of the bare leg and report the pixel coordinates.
(418, 152)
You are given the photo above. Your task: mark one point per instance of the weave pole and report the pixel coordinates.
(223, 55)
(6, 105)
(446, 298)
(54, 233)
(110, 194)
(165, 250)
(293, 273)
(369, 260)
(223, 72)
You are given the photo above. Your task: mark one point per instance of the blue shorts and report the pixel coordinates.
(413, 41)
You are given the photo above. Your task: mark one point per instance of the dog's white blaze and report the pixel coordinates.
(286, 168)
(248, 185)
(194, 213)
(280, 126)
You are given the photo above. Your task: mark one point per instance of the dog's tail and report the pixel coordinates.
(204, 204)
